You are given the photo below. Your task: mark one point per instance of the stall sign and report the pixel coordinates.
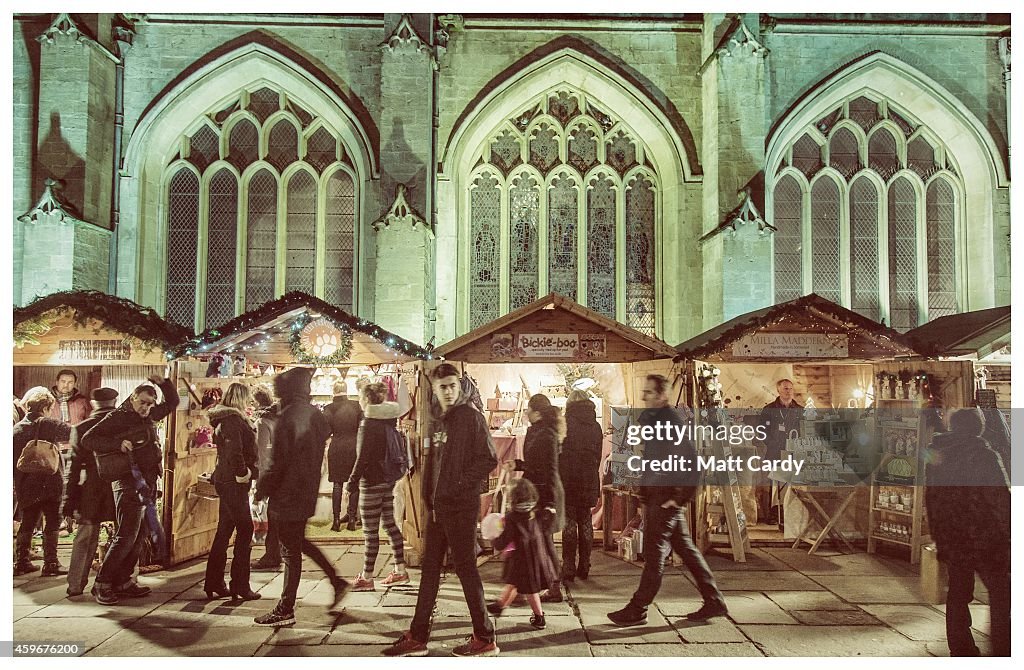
(571, 346)
(792, 345)
(94, 350)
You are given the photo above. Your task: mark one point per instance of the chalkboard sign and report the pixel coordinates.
(985, 398)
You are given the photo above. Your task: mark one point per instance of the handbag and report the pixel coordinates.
(113, 466)
(39, 457)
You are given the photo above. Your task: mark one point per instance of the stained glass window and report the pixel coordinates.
(263, 103)
(544, 148)
(485, 263)
(340, 261)
(882, 153)
(300, 232)
(524, 211)
(204, 148)
(621, 152)
(564, 107)
(864, 112)
(182, 238)
(640, 255)
(940, 217)
(583, 149)
(788, 240)
(562, 220)
(321, 149)
(903, 308)
(243, 145)
(825, 274)
(283, 145)
(807, 156)
(506, 151)
(921, 157)
(601, 246)
(221, 249)
(843, 153)
(261, 239)
(864, 248)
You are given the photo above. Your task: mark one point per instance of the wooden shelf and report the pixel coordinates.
(886, 538)
(893, 511)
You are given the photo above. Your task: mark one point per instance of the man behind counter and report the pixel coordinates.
(778, 417)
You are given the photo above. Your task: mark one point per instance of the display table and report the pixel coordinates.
(814, 499)
(631, 503)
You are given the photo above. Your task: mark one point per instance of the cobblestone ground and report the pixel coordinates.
(782, 602)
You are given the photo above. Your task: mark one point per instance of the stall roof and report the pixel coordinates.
(265, 332)
(115, 314)
(980, 332)
(553, 314)
(811, 314)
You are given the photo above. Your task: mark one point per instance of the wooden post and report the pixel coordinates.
(170, 457)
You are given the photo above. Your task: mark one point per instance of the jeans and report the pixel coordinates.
(958, 614)
(451, 530)
(577, 537)
(50, 511)
(123, 554)
(235, 518)
(665, 530)
(294, 544)
(87, 538)
(351, 505)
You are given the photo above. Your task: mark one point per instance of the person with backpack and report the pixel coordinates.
(39, 488)
(381, 460)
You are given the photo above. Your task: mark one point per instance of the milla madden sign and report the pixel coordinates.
(792, 345)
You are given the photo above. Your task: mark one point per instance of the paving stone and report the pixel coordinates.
(323, 650)
(835, 618)
(604, 564)
(840, 564)
(40, 591)
(22, 611)
(754, 607)
(189, 641)
(760, 580)
(602, 631)
(886, 590)
(808, 600)
(832, 641)
(757, 559)
(918, 622)
(980, 620)
(719, 629)
(370, 625)
(90, 630)
(563, 636)
(941, 648)
(676, 650)
(86, 606)
(217, 613)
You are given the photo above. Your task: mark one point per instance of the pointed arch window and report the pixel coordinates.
(277, 211)
(875, 194)
(563, 190)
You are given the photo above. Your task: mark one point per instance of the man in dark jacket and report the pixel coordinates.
(663, 495)
(266, 418)
(779, 418)
(126, 439)
(967, 498)
(460, 459)
(292, 483)
(87, 498)
(344, 415)
(579, 465)
(39, 494)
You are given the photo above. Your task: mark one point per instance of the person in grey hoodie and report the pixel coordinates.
(236, 467)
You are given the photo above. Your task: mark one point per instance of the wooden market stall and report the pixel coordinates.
(294, 330)
(843, 364)
(551, 345)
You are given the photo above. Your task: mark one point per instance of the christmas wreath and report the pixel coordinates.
(320, 341)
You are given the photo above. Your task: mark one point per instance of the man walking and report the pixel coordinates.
(292, 483)
(87, 497)
(461, 458)
(665, 527)
(127, 442)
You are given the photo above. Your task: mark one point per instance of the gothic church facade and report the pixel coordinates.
(433, 172)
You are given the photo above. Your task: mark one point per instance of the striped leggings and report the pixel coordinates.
(377, 503)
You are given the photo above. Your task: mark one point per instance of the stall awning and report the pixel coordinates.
(91, 328)
(554, 329)
(287, 331)
(979, 333)
(807, 329)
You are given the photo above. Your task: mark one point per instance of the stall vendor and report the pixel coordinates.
(778, 417)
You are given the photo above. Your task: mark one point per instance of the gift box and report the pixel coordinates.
(934, 578)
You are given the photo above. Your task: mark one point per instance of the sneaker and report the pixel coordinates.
(133, 590)
(53, 569)
(341, 587)
(628, 616)
(24, 567)
(476, 647)
(263, 565)
(360, 585)
(104, 595)
(72, 593)
(396, 578)
(495, 607)
(406, 646)
(708, 611)
(537, 621)
(275, 617)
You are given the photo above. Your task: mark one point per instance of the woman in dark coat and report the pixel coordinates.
(579, 465)
(236, 468)
(540, 466)
(38, 494)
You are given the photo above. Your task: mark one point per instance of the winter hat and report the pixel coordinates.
(104, 396)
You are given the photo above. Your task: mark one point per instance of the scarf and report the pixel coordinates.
(62, 402)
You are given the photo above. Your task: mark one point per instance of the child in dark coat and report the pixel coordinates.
(529, 565)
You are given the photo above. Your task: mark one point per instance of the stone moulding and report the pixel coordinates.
(404, 36)
(737, 40)
(63, 24)
(744, 213)
(402, 212)
(49, 208)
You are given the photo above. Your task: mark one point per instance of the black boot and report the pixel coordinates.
(336, 526)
